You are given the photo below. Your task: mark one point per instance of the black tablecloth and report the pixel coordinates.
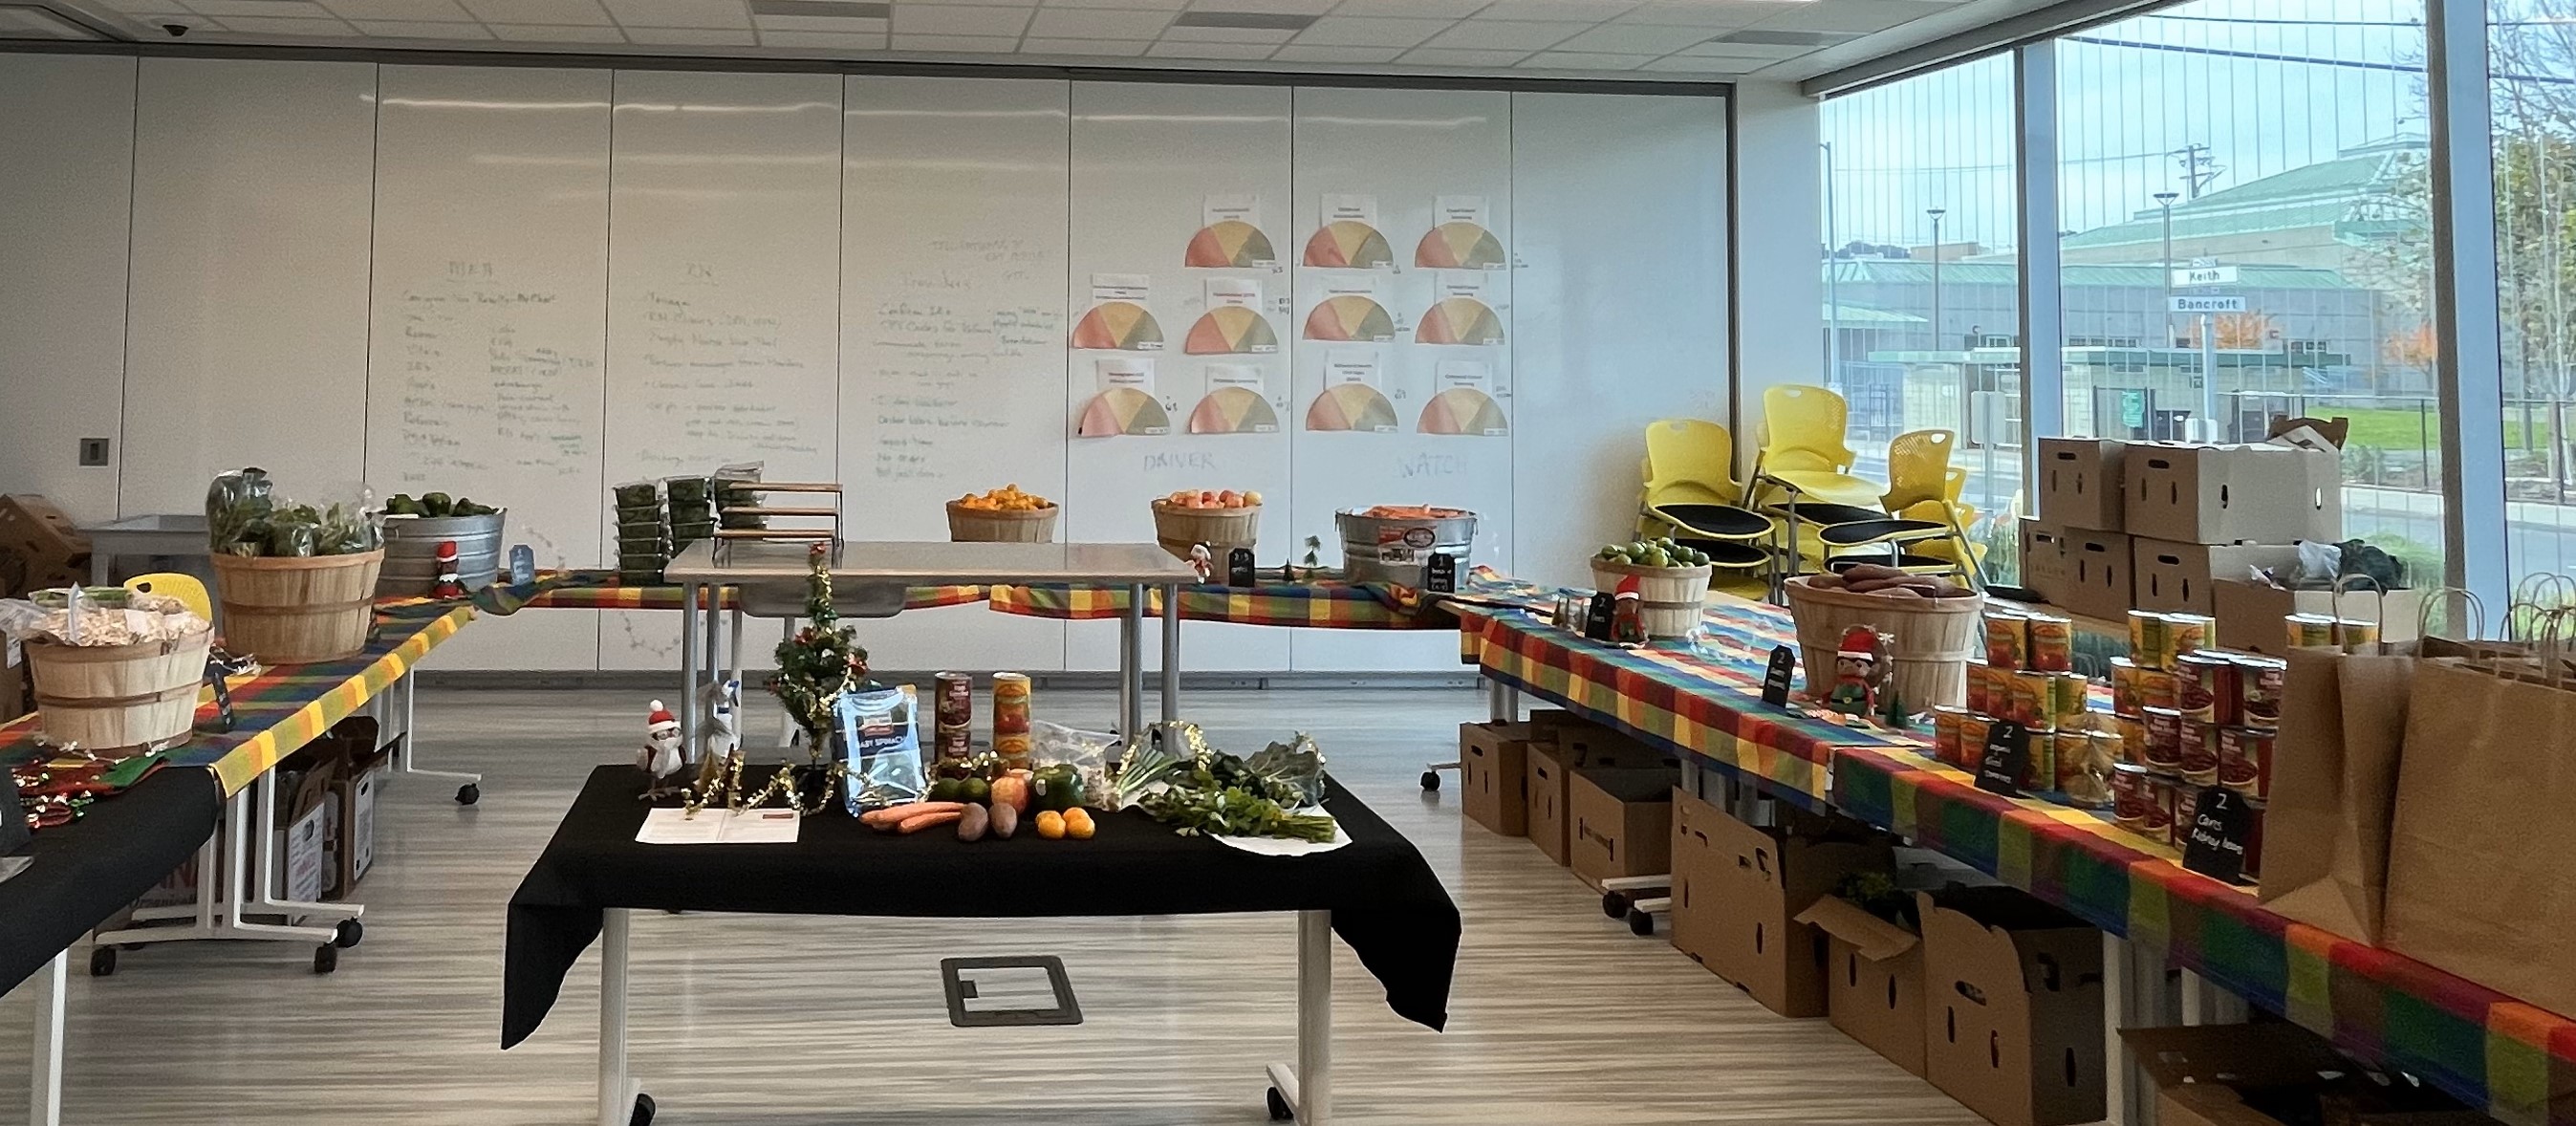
(88, 870)
(1385, 901)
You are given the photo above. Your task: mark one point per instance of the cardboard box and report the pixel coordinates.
(1547, 790)
(1620, 822)
(2232, 494)
(2270, 1074)
(1692, 924)
(302, 846)
(353, 821)
(1874, 979)
(1763, 879)
(2012, 1007)
(2079, 482)
(2178, 576)
(13, 685)
(1493, 775)
(2043, 559)
(2250, 613)
(33, 527)
(2098, 574)
(1580, 744)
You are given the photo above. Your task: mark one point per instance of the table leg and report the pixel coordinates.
(1171, 652)
(2133, 996)
(45, 1081)
(688, 710)
(1131, 664)
(713, 661)
(733, 666)
(101, 565)
(409, 685)
(616, 1106)
(1502, 702)
(1314, 1099)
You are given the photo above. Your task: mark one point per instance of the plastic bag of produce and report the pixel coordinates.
(877, 734)
(237, 511)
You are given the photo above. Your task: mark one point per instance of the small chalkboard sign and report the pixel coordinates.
(1596, 621)
(217, 669)
(523, 564)
(1239, 567)
(2006, 759)
(2215, 845)
(1440, 574)
(1775, 679)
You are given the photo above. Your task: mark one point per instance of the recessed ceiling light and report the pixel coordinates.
(1271, 21)
(823, 9)
(1787, 38)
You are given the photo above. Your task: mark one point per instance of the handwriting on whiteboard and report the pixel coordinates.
(1430, 465)
(483, 369)
(710, 377)
(944, 359)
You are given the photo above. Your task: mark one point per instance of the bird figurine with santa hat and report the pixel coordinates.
(660, 757)
(1857, 670)
(448, 586)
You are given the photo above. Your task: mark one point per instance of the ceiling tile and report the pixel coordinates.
(1098, 23)
(1686, 64)
(829, 24)
(287, 9)
(39, 23)
(419, 29)
(1417, 9)
(141, 7)
(1677, 13)
(191, 22)
(286, 28)
(960, 44)
(953, 19)
(1182, 33)
(1450, 56)
(1356, 31)
(1274, 7)
(1583, 11)
(680, 13)
(414, 11)
(1169, 49)
(1104, 47)
(691, 36)
(1296, 53)
(1164, 5)
(1635, 39)
(559, 13)
(828, 40)
(1504, 35)
(1852, 15)
(1583, 60)
(543, 33)
(1769, 52)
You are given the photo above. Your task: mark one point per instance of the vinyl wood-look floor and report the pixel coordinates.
(1559, 1015)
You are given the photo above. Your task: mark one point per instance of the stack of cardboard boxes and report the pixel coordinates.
(39, 549)
(2156, 525)
(1591, 799)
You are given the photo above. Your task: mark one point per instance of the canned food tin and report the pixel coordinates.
(1973, 730)
(2150, 640)
(2030, 700)
(2186, 805)
(1978, 701)
(2258, 690)
(2007, 640)
(2069, 697)
(2309, 631)
(2245, 761)
(2352, 633)
(2162, 792)
(2052, 643)
(1011, 717)
(2206, 682)
(2185, 633)
(2132, 792)
(2199, 752)
(2124, 686)
(2164, 740)
(2157, 689)
(2039, 767)
(1945, 732)
(2133, 741)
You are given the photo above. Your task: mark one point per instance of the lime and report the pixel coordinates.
(948, 789)
(975, 790)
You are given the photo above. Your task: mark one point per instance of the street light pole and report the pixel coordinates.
(1938, 335)
(1833, 299)
(2166, 201)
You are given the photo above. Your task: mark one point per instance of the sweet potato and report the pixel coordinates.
(1864, 572)
(1873, 585)
(1827, 582)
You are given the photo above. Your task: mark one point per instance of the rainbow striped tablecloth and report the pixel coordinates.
(1324, 604)
(601, 590)
(281, 708)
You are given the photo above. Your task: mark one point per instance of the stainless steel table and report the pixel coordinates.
(865, 573)
(181, 535)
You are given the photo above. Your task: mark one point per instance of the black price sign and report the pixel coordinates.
(1440, 575)
(2006, 759)
(1238, 567)
(1596, 623)
(1775, 679)
(2220, 824)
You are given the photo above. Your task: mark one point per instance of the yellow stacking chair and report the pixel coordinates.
(171, 584)
(1923, 485)
(1803, 448)
(1690, 493)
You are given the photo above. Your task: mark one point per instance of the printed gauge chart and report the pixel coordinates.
(1459, 246)
(1349, 318)
(1463, 410)
(1122, 410)
(1349, 244)
(1234, 410)
(1230, 330)
(1351, 406)
(1229, 243)
(1460, 320)
(1121, 326)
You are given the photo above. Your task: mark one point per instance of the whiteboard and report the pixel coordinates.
(246, 340)
(952, 360)
(1147, 159)
(489, 319)
(1398, 153)
(723, 292)
(67, 139)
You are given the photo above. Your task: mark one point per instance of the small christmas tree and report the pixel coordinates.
(820, 663)
(1897, 717)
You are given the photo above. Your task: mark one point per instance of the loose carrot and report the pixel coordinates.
(930, 820)
(894, 815)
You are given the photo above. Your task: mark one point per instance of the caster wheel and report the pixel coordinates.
(102, 961)
(643, 1115)
(1431, 780)
(1641, 924)
(348, 933)
(1279, 1111)
(1614, 904)
(468, 794)
(326, 958)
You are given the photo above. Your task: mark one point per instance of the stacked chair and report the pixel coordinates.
(1691, 494)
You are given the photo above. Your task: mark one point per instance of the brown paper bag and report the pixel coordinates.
(2334, 782)
(2485, 825)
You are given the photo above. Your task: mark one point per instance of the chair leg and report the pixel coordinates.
(1970, 571)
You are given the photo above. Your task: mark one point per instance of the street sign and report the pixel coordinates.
(2205, 275)
(2204, 262)
(2181, 304)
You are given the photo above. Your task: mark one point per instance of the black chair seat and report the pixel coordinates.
(1714, 521)
(1728, 555)
(1881, 530)
(1821, 512)
(1841, 563)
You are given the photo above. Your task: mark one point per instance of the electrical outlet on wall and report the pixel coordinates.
(93, 451)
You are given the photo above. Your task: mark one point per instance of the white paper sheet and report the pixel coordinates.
(719, 826)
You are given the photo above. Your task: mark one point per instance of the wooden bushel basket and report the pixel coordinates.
(1669, 599)
(981, 525)
(295, 610)
(117, 700)
(1180, 529)
(1930, 642)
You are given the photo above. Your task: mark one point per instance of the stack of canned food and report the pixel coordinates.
(2029, 678)
(2191, 716)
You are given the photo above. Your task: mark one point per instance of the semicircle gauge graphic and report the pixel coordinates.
(1459, 246)
(1351, 406)
(1462, 410)
(1229, 243)
(1349, 243)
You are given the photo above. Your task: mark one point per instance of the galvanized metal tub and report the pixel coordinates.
(1378, 549)
(411, 551)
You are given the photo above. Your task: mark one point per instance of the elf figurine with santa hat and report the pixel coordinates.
(1856, 670)
(659, 758)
